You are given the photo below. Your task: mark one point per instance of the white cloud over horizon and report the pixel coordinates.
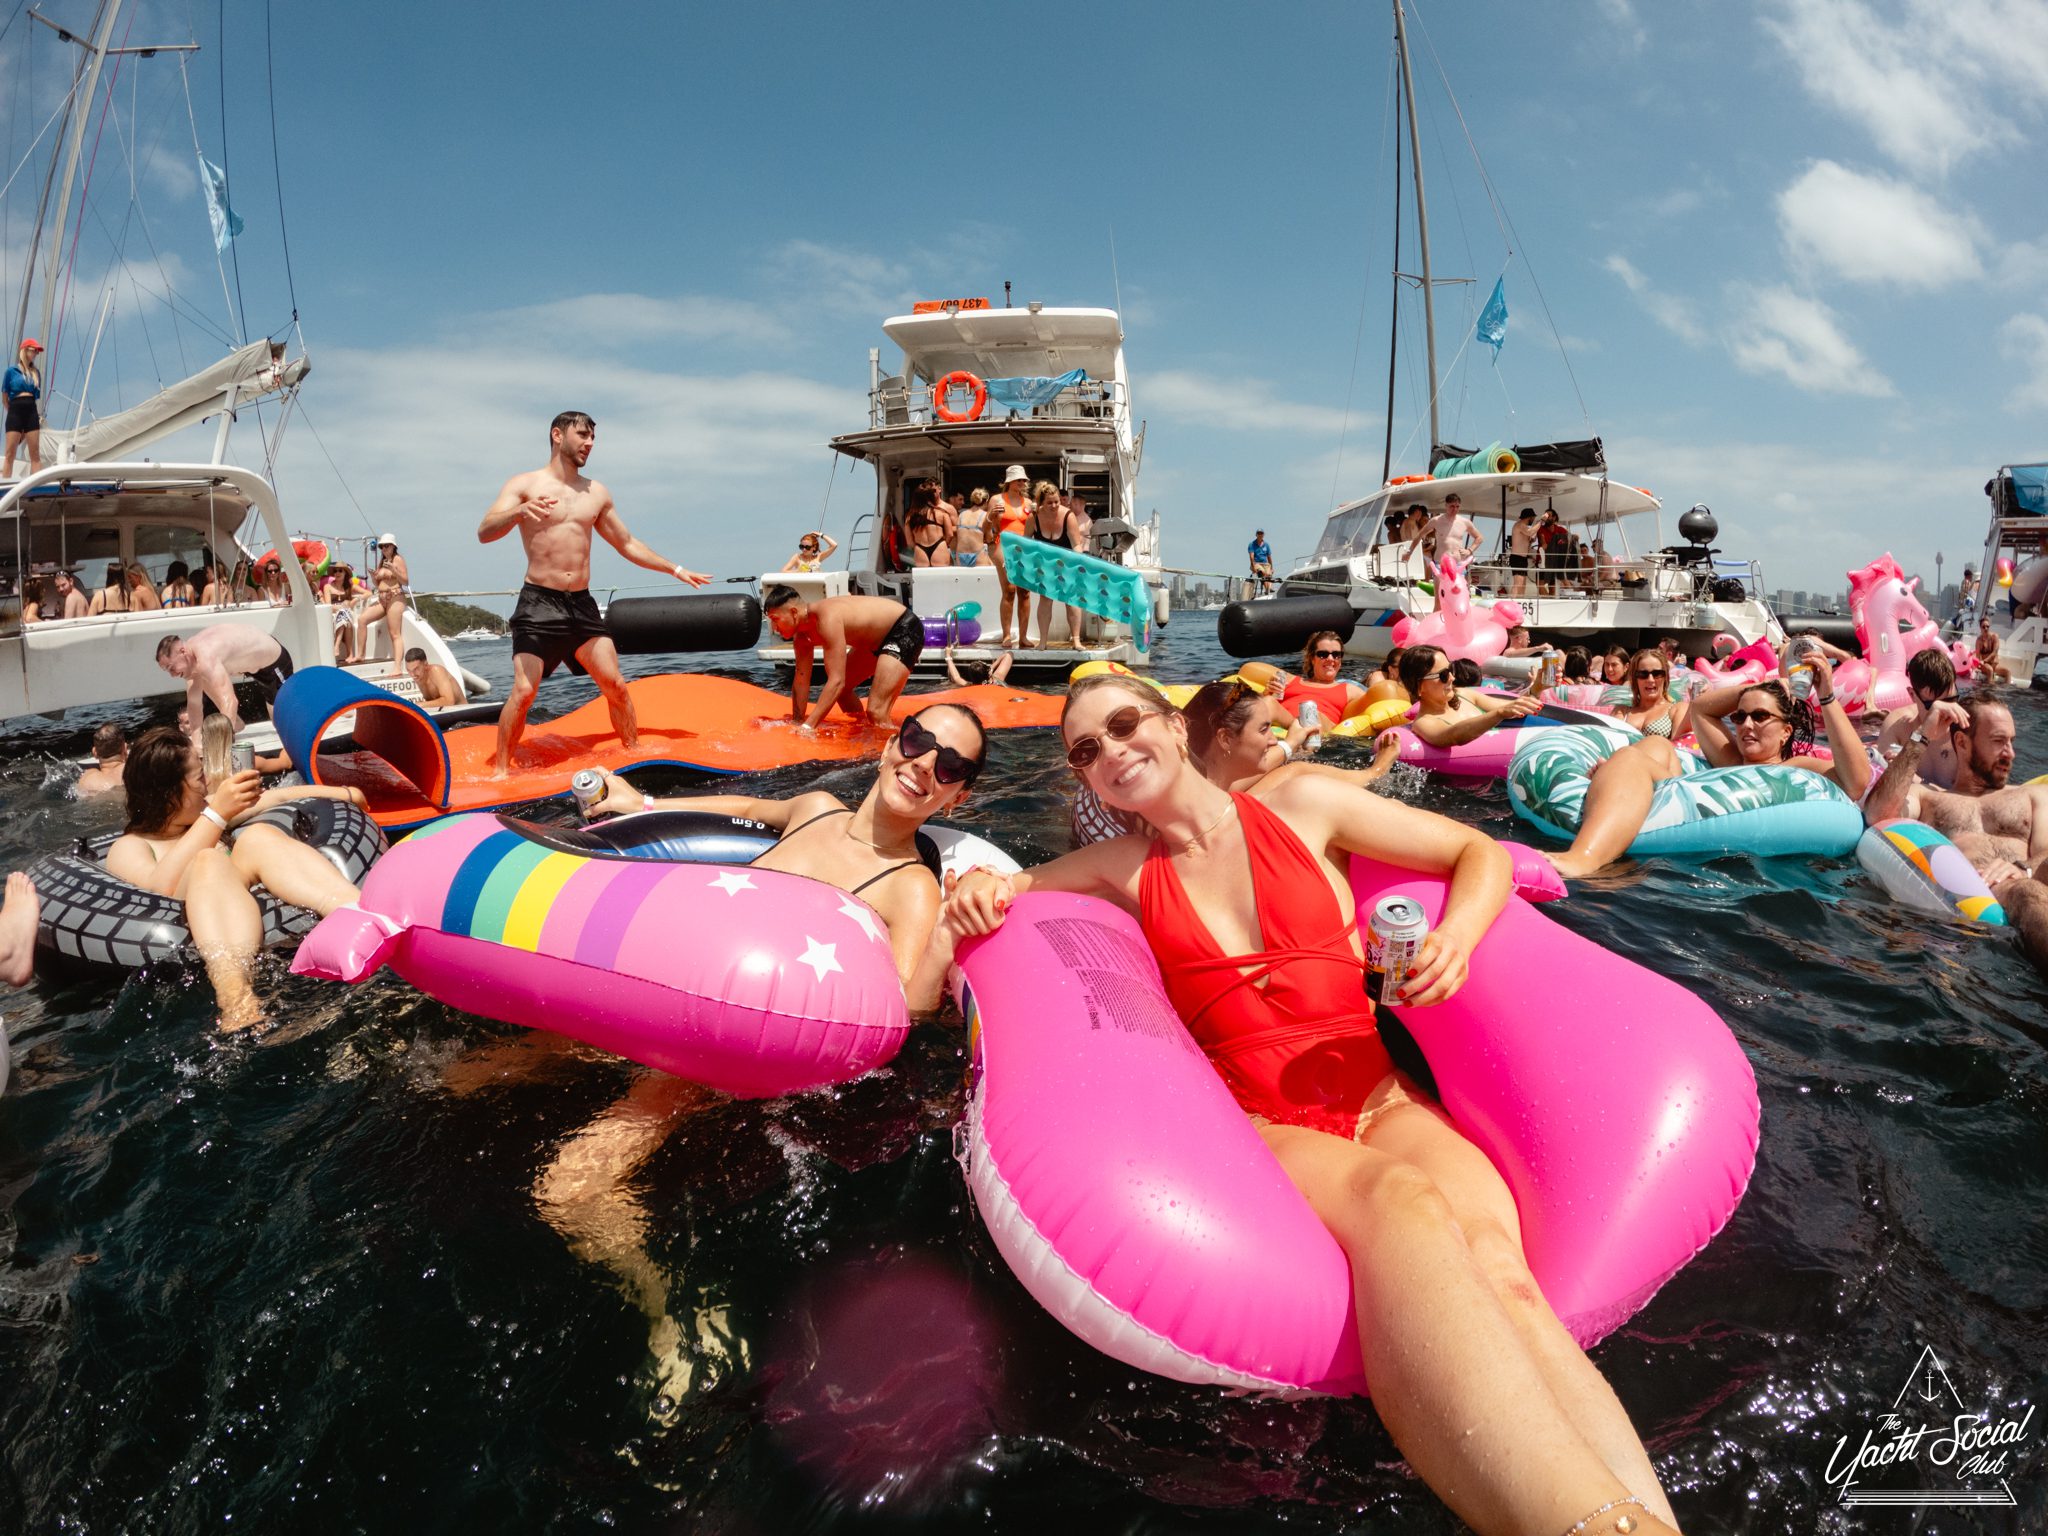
(1874, 229)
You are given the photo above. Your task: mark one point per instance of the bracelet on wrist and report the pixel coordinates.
(1824, 703)
(647, 802)
(208, 813)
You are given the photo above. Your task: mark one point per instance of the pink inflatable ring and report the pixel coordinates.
(1139, 1205)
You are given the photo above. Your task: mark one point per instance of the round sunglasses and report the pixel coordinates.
(1121, 726)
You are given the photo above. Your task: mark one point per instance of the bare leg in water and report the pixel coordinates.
(18, 930)
(1480, 1386)
(1617, 801)
(227, 927)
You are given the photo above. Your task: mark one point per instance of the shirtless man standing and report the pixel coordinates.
(555, 508)
(207, 663)
(2000, 827)
(863, 638)
(1450, 533)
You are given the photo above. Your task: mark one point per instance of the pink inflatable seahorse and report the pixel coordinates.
(1457, 628)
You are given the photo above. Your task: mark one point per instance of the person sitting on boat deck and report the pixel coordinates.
(970, 529)
(864, 638)
(1011, 507)
(1987, 652)
(142, 594)
(993, 671)
(1519, 643)
(1231, 737)
(1052, 523)
(1751, 723)
(23, 387)
(1245, 901)
(72, 603)
(1445, 715)
(1932, 677)
(1452, 535)
(387, 602)
(1999, 826)
(33, 595)
(812, 551)
(112, 596)
(177, 588)
(110, 761)
(1321, 678)
(176, 844)
(437, 688)
(209, 660)
(556, 509)
(1260, 555)
(1649, 708)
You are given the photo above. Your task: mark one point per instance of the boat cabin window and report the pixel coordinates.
(159, 544)
(49, 544)
(1347, 533)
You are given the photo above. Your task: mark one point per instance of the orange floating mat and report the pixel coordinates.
(709, 724)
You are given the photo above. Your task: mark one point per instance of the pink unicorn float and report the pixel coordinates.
(1459, 628)
(1891, 625)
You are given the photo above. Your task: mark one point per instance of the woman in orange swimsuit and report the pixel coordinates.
(1246, 902)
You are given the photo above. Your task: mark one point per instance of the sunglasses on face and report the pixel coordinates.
(1742, 716)
(1441, 675)
(1329, 655)
(1121, 726)
(949, 767)
(1642, 672)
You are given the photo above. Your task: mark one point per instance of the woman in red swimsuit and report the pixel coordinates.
(1246, 902)
(1320, 679)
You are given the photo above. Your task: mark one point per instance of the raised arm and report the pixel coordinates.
(612, 528)
(1851, 767)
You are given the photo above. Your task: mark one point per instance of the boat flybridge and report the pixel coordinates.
(1625, 587)
(102, 504)
(2019, 534)
(1044, 388)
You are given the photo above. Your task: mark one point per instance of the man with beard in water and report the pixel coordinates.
(1999, 826)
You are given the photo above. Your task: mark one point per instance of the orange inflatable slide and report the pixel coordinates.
(709, 724)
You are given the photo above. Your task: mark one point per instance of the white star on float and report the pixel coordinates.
(820, 957)
(860, 913)
(734, 881)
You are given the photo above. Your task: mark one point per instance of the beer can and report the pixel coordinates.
(1801, 679)
(241, 757)
(1393, 941)
(1309, 715)
(588, 788)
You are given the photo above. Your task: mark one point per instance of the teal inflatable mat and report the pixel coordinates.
(1107, 590)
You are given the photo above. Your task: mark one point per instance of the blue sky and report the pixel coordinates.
(1797, 250)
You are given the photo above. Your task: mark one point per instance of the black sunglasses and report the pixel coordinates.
(1329, 655)
(1441, 675)
(1121, 726)
(1739, 716)
(1651, 672)
(950, 767)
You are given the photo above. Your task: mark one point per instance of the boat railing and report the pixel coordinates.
(892, 403)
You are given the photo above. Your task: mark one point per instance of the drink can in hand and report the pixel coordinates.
(1393, 942)
(241, 757)
(1801, 679)
(588, 788)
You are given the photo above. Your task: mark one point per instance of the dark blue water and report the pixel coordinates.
(395, 1268)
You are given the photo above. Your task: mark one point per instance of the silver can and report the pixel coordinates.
(1309, 715)
(1393, 941)
(241, 757)
(1801, 679)
(588, 788)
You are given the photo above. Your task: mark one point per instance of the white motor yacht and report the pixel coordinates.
(1043, 388)
(2019, 534)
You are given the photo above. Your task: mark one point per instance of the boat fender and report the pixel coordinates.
(654, 626)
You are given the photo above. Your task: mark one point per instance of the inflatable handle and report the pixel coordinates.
(348, 945)
(387, 725)
(1536, 878)
(1647, 1131)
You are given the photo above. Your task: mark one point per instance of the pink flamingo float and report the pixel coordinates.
(1458, 628)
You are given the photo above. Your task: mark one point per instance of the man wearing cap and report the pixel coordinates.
(556, 508)
(23, 387)
(1450, 534)
(1012, 509)
(1261, 554)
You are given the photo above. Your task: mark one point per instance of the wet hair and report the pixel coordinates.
(1799, 715)
(1931, 668)
(1416, 664)
(1578, 664)
(568, 419)
(216, 749)
(108, 742)
(1308, 652)
(155, 777)
(164, 647)
(415, 653)
(1215, 708)
(980, 730)
(777, 595)
(1464, 672)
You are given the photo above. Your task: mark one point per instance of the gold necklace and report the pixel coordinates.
(887, 853)
(1194, 841)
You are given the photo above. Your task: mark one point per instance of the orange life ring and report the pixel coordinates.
(959, 378)
(1410, 479)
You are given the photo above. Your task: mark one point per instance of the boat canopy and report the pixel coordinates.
(2019, 490)
(1010, 343)
(245, 374)
(1357, 526)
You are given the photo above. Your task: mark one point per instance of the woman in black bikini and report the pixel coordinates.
(926, 527)
(1052, 523)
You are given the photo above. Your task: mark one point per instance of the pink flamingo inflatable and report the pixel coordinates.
(1752, 664)
(1457, 628)
(1891, 625)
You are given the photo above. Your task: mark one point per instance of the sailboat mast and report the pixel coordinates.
(80, 112)
(1421, 218)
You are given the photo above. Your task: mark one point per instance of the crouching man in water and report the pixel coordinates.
(1999, 826)
(864, 639)
(585, 1193)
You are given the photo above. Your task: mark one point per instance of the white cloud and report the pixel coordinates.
(1676, 315)
(1933, 81)
(174, 175)
(614, 318)
(1624, 26)
(1782, 332)
(2023, 264)
(1237, 404)
(2024, 339)
(1871, 229)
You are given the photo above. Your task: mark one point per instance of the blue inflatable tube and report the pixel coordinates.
(395, 729)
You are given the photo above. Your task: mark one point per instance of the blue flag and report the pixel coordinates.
(226, 222)
(1493, 320)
